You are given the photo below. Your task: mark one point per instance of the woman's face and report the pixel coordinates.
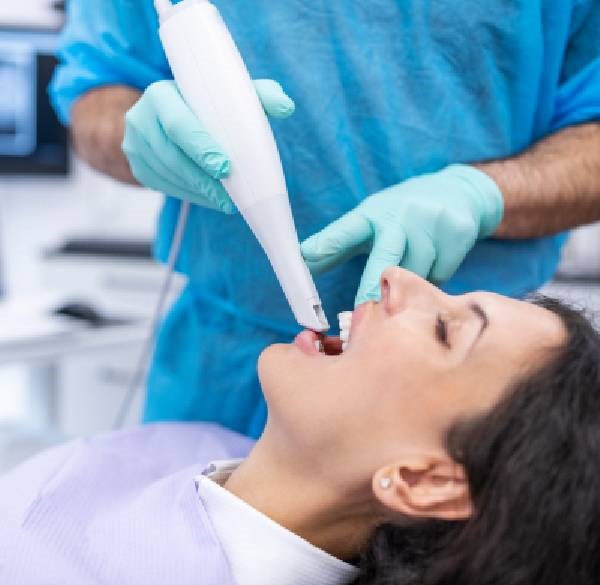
(416, 362)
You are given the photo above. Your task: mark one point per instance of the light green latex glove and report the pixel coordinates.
(427, 224)
(169, 150)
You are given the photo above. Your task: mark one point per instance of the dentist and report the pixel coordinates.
(455, 139)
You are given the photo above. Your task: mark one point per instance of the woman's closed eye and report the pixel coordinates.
(441, 332)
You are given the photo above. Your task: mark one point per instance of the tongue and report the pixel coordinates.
(332, 345)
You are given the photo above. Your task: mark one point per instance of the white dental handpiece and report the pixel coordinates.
(216, 85)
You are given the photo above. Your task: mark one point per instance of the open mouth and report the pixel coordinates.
(318, 344)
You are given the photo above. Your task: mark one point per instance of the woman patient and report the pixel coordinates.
(455, 442)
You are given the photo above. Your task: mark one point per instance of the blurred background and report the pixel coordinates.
(77, 281)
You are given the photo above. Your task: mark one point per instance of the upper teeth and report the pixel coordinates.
(345, 320)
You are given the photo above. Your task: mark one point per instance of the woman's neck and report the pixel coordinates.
(330, 517)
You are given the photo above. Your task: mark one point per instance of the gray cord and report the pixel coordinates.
(140, 372)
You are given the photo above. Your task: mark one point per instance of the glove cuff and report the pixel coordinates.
(485, 194)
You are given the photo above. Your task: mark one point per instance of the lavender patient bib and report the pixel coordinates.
(120, 509)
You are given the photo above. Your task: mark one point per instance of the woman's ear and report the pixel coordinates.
(424, 488)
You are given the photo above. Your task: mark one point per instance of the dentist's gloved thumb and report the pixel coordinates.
(275, 101)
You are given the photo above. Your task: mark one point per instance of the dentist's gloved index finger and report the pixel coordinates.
(338, 242)
(182, 127)
(388, 250)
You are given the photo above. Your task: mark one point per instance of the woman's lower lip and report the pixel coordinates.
(306, 342)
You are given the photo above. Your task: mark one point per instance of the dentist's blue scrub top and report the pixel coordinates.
(385, 90)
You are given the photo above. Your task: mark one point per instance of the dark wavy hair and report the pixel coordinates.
(533, 468)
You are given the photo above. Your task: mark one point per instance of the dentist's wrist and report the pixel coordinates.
(485, 194)
(97, 128)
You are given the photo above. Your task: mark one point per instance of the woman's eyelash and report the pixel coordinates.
(441, 331)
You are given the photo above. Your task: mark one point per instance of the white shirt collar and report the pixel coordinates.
(255, 545)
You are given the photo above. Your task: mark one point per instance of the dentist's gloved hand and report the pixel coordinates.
(169, 149)
(427, 224)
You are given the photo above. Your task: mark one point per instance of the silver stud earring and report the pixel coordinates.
(385, 483)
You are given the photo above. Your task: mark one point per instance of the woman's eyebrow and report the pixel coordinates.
(481, 314)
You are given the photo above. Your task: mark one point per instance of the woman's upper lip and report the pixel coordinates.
(358, 316)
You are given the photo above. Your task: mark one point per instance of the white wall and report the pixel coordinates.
(30, 12)
(38, 213)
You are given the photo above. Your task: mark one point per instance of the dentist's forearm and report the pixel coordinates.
(551, 187)
(97, 127)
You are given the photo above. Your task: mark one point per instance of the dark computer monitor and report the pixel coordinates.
(32, 140)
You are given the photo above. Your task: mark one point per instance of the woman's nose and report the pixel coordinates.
(400, 288)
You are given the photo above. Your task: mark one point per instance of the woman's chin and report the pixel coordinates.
(273, 360)
(286, 370)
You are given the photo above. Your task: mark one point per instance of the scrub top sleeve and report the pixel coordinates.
(578, 97)
(108, 42)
